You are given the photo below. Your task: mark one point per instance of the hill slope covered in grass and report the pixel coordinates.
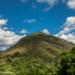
(38, 54)
(39, 44)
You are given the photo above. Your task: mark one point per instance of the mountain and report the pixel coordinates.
(38, 54)
(39, 44)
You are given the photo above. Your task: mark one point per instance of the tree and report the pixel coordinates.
(66, 63)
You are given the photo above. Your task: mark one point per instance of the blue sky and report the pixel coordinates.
(23, 17)
(17, 11)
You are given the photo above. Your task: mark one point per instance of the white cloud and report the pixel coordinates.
(66, 33)
(71, 4)
(45, 31)
(3, 22)
(51, 3)
(69, 37)
(5, 28)
(8, 38)
(30, 20)
(23, 31)
(68, 26)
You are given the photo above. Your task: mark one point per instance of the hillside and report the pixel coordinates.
(38, 54)
(39, 43)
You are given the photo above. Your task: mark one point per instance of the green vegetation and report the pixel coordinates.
(66, 63)
(27, 65)
(39, 54)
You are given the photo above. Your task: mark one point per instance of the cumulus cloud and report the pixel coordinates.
(3, 21)
(71, 4)
(66, 32)
(45, 31)
(8, 38)
(68, 26)
(51, 3)
(5, 28)
(69, 37)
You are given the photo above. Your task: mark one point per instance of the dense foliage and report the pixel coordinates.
(66, 63)
(34, 65)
